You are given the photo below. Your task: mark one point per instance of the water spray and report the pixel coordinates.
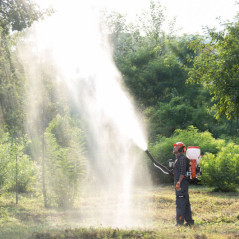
(88, 78)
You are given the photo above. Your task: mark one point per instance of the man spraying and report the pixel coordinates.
(181, 167)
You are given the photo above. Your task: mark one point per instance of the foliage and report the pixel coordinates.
(178, 113)
(216, 68)
(181, 48)
(151, 74)
(15, 15)
(155, 72)
(155, 69)
(151, 22)
(219, 162)
(65, 160)
(11, 86)
(162, 148)
(142, 55)
(23, 168)
(220, 171)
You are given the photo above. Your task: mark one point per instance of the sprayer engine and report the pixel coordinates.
(193, 153)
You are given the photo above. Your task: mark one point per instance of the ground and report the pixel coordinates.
(216, 216)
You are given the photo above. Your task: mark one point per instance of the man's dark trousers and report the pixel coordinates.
(183, 208)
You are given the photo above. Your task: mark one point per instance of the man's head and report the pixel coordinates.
(179, 147)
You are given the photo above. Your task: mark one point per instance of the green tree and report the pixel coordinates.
(23, 173)
(65, 160)
(156, 73)
(12, 86)
(16, 15)
(216, 68)
(151, 23)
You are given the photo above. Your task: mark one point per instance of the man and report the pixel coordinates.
(183, 209)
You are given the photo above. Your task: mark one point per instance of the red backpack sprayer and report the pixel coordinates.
(193, 154)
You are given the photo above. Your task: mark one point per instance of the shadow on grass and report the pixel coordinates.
(92, 233)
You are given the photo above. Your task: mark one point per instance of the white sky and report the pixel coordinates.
(191, 15)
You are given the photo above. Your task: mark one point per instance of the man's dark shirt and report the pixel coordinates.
(181, 166)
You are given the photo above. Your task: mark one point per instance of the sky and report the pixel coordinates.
(191, 15)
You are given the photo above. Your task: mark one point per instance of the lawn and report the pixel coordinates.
(153, 216)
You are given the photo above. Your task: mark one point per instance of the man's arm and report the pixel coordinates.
(182, 164)
(181, 178)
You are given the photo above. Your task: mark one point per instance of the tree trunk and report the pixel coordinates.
(43, 171)
(16, 179)
(14, 155)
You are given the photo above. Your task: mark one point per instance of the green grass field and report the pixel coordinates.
(216, 216)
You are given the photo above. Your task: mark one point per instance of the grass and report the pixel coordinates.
(216, 216)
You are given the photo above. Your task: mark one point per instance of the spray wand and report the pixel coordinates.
(164, 169)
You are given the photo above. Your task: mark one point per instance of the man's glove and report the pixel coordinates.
(178, 188)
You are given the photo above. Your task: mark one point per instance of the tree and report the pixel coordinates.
(23, 174)
(11, 83)
(168, 116)
(16, 15)
(151, 22)
(155, 72)
(65, 160)
(217, 69)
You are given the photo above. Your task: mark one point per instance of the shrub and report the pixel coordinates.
(65, 161)
(162, 149)
(10, 153)
(221, 171)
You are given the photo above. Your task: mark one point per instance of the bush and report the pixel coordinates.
(221, 171)
(10, 153)
(162, 149)
(64, 162)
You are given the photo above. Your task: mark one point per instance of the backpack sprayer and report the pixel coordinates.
(193, 153)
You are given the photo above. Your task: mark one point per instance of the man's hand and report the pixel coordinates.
(178, 188)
